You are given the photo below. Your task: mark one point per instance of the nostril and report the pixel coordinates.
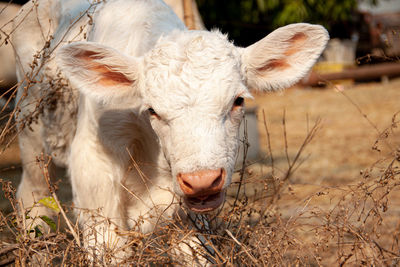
(217, 181)
(187, 184)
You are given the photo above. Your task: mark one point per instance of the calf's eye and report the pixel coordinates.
(239, 101)
(152, 112)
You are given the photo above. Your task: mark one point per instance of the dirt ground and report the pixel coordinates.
(337, 163)
(351, 122)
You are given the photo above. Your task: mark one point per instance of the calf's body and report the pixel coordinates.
(143, 112)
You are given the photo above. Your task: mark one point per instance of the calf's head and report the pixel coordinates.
(193, 84)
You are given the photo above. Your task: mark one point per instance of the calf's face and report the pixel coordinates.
(194, 93)
(192, 85)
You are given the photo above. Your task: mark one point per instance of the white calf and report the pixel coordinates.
(148, 91)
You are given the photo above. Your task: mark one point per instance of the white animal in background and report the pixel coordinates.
(146, 90)
(7, 66)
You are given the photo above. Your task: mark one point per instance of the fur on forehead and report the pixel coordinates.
(194, 45)
(189, 68)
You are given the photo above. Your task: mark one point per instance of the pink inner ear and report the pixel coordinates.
(295, 43)
(274, 64)
(108, 77)
(298, 37)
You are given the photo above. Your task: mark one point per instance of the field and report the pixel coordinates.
(351, 123)
(334, 203)
(344, 165)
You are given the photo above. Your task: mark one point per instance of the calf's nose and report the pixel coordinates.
(202, 183)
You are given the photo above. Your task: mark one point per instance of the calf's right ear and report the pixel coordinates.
(100, 72)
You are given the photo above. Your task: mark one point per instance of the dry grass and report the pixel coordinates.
(326, 193)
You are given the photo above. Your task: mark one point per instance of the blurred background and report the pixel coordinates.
(369, 24)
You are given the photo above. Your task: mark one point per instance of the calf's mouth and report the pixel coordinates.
(205, 203)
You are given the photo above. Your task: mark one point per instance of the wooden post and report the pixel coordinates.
(188, 14)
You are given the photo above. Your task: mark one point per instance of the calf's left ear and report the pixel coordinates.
(99, 72)
(284, 56)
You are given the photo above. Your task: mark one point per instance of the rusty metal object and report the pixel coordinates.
(363, 73)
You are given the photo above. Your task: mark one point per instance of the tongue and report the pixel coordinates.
(201, 198)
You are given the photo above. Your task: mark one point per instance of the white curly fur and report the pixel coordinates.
(139, 55)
